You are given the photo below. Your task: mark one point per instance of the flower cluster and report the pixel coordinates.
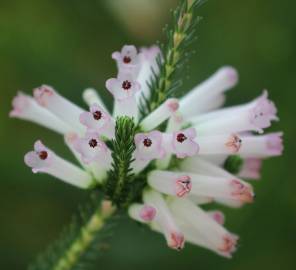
(198, 137)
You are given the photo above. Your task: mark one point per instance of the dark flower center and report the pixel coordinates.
(147, 142)
(126, 59)
(126, 85)
(97, 115)
(43, 155)
(93, 143)
(181, 137)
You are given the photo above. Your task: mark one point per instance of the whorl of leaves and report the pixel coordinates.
(118, 187)
(90, 243)
(173, 57)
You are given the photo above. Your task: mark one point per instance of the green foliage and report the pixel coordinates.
(119, 182)
(233, 164)
(174, 55)
(81, 243)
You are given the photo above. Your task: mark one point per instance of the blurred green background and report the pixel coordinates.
(68, 44)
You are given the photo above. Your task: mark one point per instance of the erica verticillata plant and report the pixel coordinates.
(157, 156)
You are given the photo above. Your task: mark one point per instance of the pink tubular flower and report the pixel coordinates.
(262, 146)
(123, 87)
(209, 94)
(98, 120)
(251, 168)
(92, 149)
(67, 111)
(254, 116)
(201, 229)
(127, 60)
(165, 220)
(123, 90)
(263, 112)
(183, 144)
(149, 146)
(26, 108)
(181, 183)
(44, 160)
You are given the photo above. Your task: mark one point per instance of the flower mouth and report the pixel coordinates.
(184, 186)
(181, 137)
(147, 142)
(234, 143)
(177, 241)
(97, 115)
(126, 59)
(43, 155)
(126, 85)
(93, 143)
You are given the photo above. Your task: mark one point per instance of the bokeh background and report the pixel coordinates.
(68, 44)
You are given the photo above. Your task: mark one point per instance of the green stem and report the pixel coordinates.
(85, 238)
(173, 53)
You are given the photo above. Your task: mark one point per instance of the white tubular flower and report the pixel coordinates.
(44, 160)
(123, 89)
(164, 219)
(269, 145)
(142, 212)
(201, 229)
(98, 120)
(91, 97)
(254, 116)
(251, 168)
(26, 108)
(161, 114)
(209, 93)
(47, 97)
(148, 62)
(180, 184)
(128, 60)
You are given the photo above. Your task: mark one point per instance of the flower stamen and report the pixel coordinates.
(97, 115)
(126, 85)
(93, 143)
(181, 137)
(147, 142)
(43, 155)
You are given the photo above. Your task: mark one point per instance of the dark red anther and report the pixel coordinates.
(126, 85)
(147, 142)
(93, 143)
(181, 137)
(126, 59)
(43, 155)
(97, 115)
